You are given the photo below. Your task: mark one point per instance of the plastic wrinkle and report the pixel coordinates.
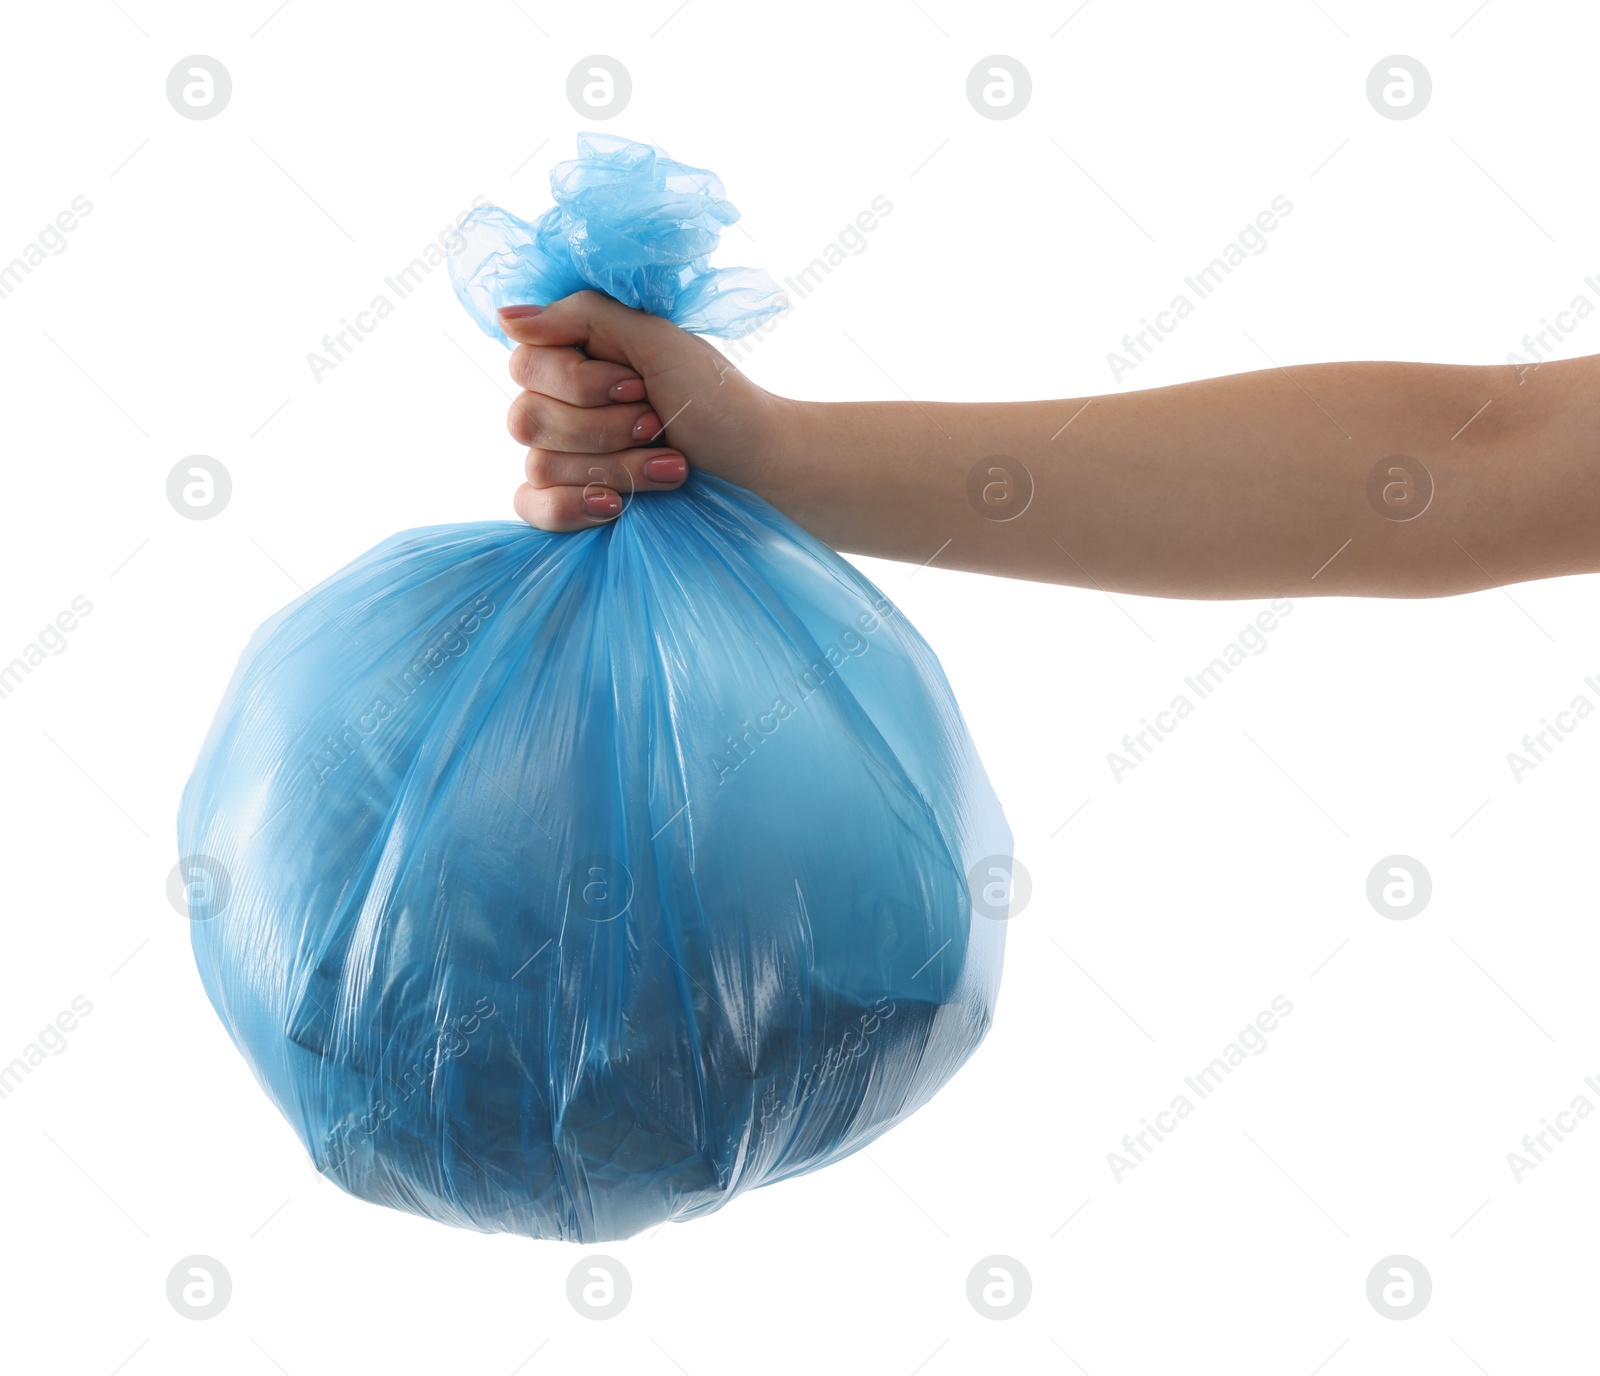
(581, 882)
(627, 221)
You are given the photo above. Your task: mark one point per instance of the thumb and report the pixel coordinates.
(598, 324)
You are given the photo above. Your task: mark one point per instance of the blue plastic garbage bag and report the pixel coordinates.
(564, 884)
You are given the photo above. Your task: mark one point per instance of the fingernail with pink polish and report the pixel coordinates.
(520, 312)
(666, 468)
(602, 503)
(647, 426)
(629, 389)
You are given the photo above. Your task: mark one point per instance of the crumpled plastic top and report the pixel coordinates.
(629, 221)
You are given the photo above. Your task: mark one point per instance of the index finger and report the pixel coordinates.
(566, 374)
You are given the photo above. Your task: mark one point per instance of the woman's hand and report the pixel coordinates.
(1255, 485)
(625, 411)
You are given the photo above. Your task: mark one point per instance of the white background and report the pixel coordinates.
(1228, 869)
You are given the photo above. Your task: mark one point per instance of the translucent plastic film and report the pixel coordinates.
(577, 882)
(627, 221)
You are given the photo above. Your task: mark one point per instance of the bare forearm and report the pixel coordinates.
(1255, 485)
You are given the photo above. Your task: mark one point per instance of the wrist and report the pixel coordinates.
(790, 449)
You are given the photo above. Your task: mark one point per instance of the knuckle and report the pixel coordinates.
(540, 467)
(526, 504)
(580, 434)
(524, 421)
(516, 420)
(543, 509)
(522, 365)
